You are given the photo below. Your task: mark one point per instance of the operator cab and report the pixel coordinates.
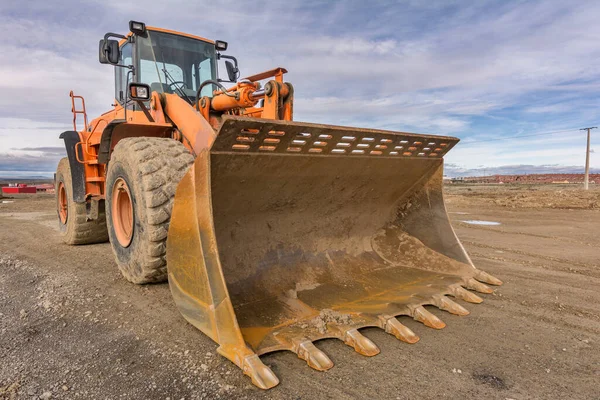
(175, 64)
(166, 61)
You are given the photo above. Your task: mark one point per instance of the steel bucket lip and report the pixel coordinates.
(228, 120)
(361, 313)
(240, 135)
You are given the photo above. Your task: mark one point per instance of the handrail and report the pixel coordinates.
(75, 111)
(77, 153)
(87, 139)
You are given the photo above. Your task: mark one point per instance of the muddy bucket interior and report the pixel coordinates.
(316, 244)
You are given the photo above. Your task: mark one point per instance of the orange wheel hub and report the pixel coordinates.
(63, 211)
(122, 212)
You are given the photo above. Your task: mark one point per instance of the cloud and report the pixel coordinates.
(59, 151)
(42, 164)
(480, 71)
(550, 109)
(346, 46)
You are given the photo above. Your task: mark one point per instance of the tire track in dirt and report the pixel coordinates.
(536, 235)
(591, 272)
(524, 253)
(511, 346)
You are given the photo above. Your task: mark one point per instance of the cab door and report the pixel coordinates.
(123, 75)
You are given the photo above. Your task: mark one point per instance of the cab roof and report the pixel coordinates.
(152, 28)
(155, 29)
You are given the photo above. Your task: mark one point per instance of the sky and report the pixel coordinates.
(514, 80)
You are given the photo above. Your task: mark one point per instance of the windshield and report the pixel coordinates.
(175, 64)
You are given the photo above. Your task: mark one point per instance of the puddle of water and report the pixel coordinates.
(7, 201)
(477, 222)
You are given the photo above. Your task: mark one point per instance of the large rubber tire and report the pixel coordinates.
(75, 227)
(150, 168)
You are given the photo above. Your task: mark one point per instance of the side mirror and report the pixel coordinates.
(232, 71)
(139, 91)
(109, 51)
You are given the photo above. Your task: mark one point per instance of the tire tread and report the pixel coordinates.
(160, 164)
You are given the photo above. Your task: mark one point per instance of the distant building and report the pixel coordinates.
(17, 188)
(22, 188)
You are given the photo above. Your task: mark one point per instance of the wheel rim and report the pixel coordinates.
(122, 212)
(63, 211)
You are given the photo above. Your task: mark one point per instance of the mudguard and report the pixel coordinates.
(71, 138)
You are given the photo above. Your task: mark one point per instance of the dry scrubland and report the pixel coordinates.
(562, 196)
(72, 328)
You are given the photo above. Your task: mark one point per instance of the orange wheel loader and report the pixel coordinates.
(272, 233)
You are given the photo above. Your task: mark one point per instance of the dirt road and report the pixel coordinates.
(71, 327)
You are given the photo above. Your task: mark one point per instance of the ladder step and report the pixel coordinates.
(95, 179)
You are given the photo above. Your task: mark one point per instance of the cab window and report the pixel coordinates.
(176, 64)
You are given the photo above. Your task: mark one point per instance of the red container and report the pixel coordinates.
(20, 188)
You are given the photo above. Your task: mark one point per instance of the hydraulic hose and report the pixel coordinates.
(214, 82)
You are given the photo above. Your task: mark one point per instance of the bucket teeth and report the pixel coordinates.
(444, 303)
(261, 375)
(422, 315)
(314, 357)
(487, 278)
(360, 343)
(478, 286)
(392, 326)
(465, 295)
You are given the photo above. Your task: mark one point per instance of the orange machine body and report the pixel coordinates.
(171, 116)
(272, 233)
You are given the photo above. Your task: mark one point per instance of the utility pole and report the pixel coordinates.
(586, 178)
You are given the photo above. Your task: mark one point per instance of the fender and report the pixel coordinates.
(119, 129)
(71, 138)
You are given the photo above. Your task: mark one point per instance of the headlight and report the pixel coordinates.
(137, 27)
(139, 91)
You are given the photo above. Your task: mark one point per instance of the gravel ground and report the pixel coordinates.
(71, 327)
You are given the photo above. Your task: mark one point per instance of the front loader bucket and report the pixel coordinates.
(284, 233)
